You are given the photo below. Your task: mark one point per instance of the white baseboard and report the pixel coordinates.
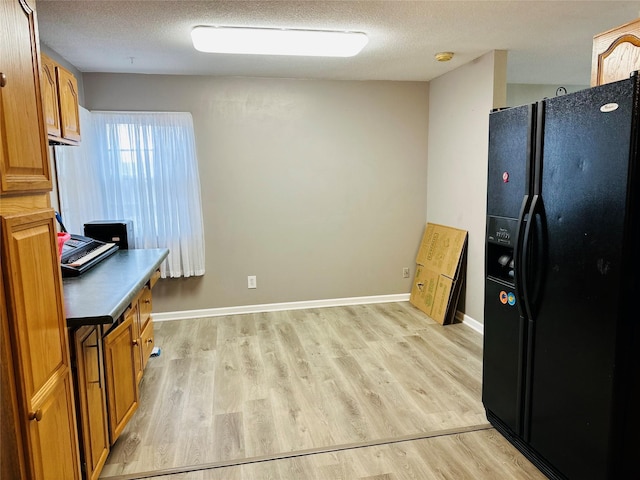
(470, 322)
(276, 307)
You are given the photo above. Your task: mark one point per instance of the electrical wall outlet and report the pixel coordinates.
(251, 281)
(405, 272)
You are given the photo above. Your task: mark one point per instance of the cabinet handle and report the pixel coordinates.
(150, 340)
(37, 415)
(147, 301)
(3, 80)
(136, 342)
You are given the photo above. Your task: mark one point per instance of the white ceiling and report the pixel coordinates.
(549, 42)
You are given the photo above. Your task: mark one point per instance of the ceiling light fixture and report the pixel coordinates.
(444, 56)
(278, 41)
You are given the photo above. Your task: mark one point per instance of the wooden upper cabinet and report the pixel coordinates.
(50, 96)
(69, 114)
(60, 96)
(616, 53)
(24, 156)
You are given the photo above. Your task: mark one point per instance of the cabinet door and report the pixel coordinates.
(37, 327)
(52, 430)
(92, 404)
(68, 97)
(24, 161)
(11, 453)
(121, 370)
(616, 53)
(50, 96)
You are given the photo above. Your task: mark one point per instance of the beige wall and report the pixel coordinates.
(524, 93)
(316, 187)
(459, 106)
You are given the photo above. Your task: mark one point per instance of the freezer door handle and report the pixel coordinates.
(524, 287)
(517, 252)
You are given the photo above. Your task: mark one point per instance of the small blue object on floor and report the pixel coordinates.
(156, 352)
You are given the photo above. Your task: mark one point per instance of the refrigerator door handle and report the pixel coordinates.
(524, 258)
(517, 252)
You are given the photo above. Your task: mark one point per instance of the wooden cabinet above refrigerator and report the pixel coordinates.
(60, 101)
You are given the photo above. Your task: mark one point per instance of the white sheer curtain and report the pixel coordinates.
(79, 185)
(143, 167)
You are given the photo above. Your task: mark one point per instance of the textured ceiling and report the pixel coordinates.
(548, 41)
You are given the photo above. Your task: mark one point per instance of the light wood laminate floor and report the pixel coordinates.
(317, 393)
(480, 455)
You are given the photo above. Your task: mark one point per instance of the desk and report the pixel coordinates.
(108, 313)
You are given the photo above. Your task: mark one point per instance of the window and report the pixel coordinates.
(143, 167)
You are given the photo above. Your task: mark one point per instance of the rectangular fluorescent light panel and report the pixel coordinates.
(276, 41)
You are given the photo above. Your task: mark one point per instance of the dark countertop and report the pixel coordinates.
(102, 294)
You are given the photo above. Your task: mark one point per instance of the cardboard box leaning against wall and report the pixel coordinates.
(439, 272)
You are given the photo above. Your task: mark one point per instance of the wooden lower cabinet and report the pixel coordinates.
(142, 329)
(137, 330)
(91, 399)
(41, 394)
(146, 326)
(11, 452)
(108, 370)
(122, 359)
(52, 432)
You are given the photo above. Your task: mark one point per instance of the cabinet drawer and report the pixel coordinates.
(145, 306)
(154, 278)
(147, 343)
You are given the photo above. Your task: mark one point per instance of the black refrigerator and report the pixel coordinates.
(561, 372)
